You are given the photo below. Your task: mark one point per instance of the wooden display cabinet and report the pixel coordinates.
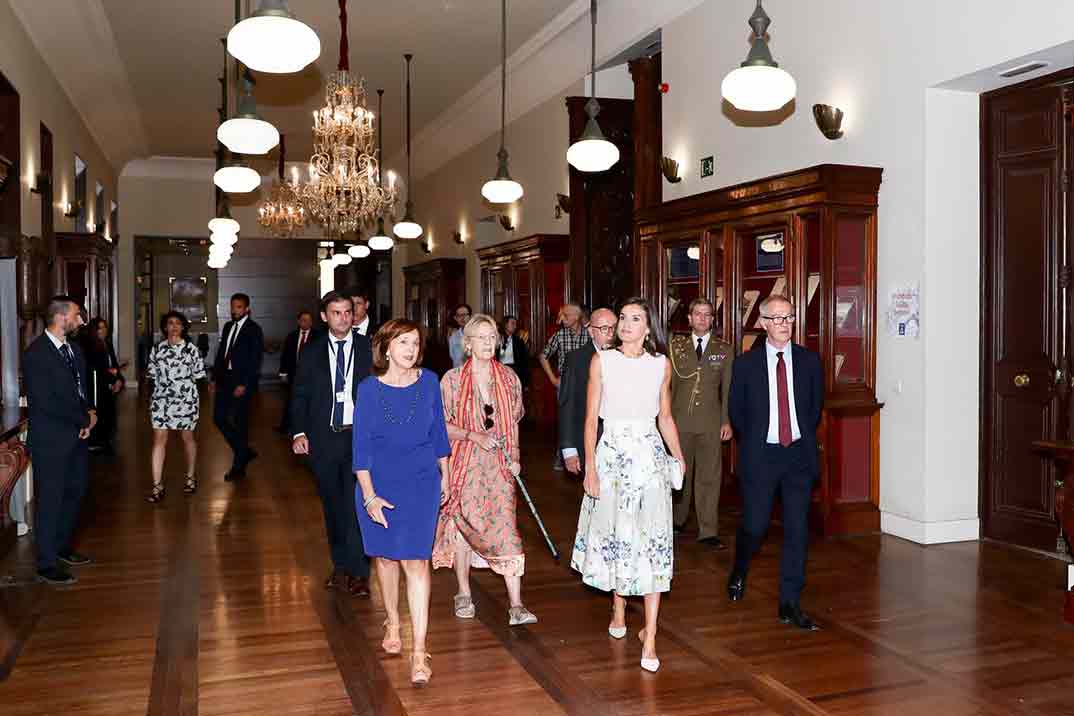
(811, 235)
(85, 272)
(432, 289)
(527, 278)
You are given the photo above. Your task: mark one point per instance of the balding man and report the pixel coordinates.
(573, 387)
(570, 337)
(777, 393)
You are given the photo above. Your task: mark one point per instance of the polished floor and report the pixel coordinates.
(214, 605)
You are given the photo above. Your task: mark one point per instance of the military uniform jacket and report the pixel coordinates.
(699, 392)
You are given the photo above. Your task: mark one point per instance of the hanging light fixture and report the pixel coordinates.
(273, 40)
(380, 241)
(246, 132)
(340, 257)
(592, 152)
(223, 238)
(344, 194)
(359, 251)
(282, 214)
(759, 84)
(236, 178)
(502, 189)
(408, 228)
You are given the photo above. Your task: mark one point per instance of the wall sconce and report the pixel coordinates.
(505, 222)
(5, 172)
(829, 120)
(426, 247)
(457, 235)
(670, 167)
(72, 210)
(563, 205)
(42, 182)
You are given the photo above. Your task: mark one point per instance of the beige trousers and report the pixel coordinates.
(701, 483)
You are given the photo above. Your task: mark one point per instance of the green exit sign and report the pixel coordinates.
(708, 167)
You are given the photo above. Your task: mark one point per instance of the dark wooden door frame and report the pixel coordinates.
(1065, 231)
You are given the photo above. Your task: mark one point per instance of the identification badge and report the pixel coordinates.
(341, 396)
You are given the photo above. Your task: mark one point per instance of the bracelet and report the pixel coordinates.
(365, 505)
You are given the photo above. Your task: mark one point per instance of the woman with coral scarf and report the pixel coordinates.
(477, 527)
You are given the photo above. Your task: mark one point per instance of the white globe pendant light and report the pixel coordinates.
(502, 189)
(217, 263)
(223, 225)
(236, 178)
(246, 132)
(221, 251)
(359, 251)
(592, 152)
(340, 257)
(273, 40)
(408, 228)
(223, 238)
(380, 241)
(759, 84)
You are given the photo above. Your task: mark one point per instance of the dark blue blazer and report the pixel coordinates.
(313, 393)
(748, 404)
(56, 412)
(246, 355)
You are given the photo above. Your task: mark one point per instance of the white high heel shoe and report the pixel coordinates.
(617, 632)
(650, 665)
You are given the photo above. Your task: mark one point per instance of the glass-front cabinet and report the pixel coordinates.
(809, 235)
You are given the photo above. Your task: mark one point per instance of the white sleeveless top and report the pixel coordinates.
(630, 387)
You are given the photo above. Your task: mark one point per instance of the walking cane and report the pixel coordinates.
(516, 471)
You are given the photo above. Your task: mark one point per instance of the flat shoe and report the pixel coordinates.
(464, 606)
(519, 615)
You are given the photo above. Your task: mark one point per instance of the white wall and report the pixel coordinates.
(878, 61)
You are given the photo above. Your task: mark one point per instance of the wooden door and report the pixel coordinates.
(1024, 309)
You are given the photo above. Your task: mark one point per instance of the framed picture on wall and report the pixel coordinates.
(190, 296)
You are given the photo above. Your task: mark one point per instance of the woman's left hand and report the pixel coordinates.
(445, 490)
(682, 464)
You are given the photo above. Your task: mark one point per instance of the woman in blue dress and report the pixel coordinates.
(401, 455)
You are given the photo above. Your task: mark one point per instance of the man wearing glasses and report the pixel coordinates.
(777, 394)
(700, 383)
(461, 316)
(573, 387)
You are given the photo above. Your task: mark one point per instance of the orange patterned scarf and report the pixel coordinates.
(470, 415)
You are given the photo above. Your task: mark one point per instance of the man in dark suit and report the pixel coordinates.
(514, 352)
(361, 321)
(574, 386)
(293, 345)
(61, 418)
(777, 393)
(322, 416)
(236, 373)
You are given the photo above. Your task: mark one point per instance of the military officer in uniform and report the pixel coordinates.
(700, 384)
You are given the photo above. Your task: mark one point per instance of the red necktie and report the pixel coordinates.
(783, 401)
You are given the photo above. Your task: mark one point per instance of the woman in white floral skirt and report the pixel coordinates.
(175, 366)
(624, 543)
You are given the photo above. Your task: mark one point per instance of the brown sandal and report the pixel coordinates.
(391, 646)
(420, 671)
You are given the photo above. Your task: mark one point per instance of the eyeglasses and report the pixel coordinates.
(489, 411)
(462, 314)
(779, 320)
(484, 339)
(604, 330)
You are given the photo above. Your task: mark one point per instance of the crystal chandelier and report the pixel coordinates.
(282, 214)
(344, 192)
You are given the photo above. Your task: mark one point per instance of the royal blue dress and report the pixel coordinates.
(399, 433)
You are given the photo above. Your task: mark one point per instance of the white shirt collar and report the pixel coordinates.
(58, 342)
(332, 340)
(363, 327)
(771, 350)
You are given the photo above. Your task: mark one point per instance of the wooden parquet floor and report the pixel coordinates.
(214, 605)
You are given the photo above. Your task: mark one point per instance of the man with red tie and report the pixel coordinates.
(777, 393)
(292, 349)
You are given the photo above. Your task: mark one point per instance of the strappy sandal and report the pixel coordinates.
(156, 494)
(420, 671)
(464, 606)
(190, 485)
(391, 646)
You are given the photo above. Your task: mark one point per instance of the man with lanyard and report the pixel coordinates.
(322, 417)
(61, 418)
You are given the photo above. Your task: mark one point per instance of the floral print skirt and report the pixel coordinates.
(625, 540)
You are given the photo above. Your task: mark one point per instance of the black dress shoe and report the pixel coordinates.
(736, 586)
(56, 575)
(336, 579)
(793, 614)
(715, 542)
(358, 586)
(251, 457)
(75, 559)
(234, 474)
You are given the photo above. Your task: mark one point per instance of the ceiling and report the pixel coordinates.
(172, 56)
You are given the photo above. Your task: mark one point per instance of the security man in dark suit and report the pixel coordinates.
(777, 394)
(236, 373)
(322, 416)
(293, 345)
(61, 418)
(361, 321)
(574, 385)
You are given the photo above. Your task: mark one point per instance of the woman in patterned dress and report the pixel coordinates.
(482, 407)
(175, 366)
(624, 543)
